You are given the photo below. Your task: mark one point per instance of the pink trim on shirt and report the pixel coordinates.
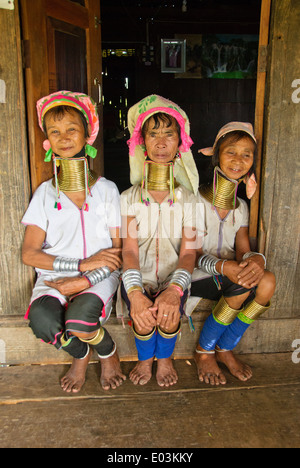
(82, 322)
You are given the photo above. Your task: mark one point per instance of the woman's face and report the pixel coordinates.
(161, 143)
(66, 135)
(236, 157)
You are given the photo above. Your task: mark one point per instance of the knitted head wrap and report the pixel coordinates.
(247, 128)
(79, 101)
(185, 169)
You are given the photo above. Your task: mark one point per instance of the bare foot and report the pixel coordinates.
(111, 373)
(208, 369)
(142, 372)
(74, 379)
(166, 375)
(236, 367)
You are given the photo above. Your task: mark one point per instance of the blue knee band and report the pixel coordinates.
(232, 335)
(146, 348)
(211, 333)
(165, 346)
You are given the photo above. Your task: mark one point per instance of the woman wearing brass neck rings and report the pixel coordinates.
(159, 236)
(72, 240)
(228, 271)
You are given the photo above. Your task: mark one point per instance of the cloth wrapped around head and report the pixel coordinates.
(79, 101)
(247, 128)
(185, 169)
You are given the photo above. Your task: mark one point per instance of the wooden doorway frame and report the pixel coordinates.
(34, 22)
(255, 232)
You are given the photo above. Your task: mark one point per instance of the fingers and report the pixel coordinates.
(144, 320)
(250, 278)
(251, 274)
(167, 319)
(110, 260)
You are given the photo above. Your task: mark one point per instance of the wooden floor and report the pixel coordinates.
(264, 412)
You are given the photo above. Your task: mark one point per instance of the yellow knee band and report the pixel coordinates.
(253, 310)
(143, 337)
(223, 313)
(169, 335)
(97, 339)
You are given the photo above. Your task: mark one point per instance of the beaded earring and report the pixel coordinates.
(91, 151)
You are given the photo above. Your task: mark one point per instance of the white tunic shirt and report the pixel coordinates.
(75, 233)
(159, 231)
(219, 234)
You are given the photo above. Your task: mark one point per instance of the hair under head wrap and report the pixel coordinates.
(79, 101)
(185, 169)
(247, 128)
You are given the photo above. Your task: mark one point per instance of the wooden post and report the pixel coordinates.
(280, 214)
(259, 114)
(16, 279)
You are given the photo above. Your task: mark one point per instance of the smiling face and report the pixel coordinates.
(161, 141)
(236, 157)
(66, 133)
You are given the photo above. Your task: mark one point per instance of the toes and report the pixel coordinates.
(244, 374)
(213, 379)
(167, 380)
(113, 382)
(70, 386)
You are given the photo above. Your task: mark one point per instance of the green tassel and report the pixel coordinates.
(91, 151)
(48, 155)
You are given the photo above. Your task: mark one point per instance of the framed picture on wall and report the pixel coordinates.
(173, 55)
(231, 56)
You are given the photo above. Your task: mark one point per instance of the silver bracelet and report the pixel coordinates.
(96, 276)
(66, 264)
(207, 263)
(251, 254)
(181, 278)
(222, 266)
(132, 278)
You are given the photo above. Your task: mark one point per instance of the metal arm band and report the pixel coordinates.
(132, 279)
(251, 254)
(181, 278)
(207, 263)
(96, 276)
(66, 264)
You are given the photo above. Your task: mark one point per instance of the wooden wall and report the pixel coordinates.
(280, 218)
(15, 279)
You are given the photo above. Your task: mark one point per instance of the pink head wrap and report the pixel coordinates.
(228, 128)
(246, 127)
(79, 101)
(185, 169)
(137, 139)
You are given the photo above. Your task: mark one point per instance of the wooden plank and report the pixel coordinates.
(19, 346)
(268, 370)
(280, 211)
(94, 70)
(16, 279)
(190, 415)
(68, 11)
(259, 113)
(34, 32)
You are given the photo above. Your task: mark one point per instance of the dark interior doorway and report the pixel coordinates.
(131, 36)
